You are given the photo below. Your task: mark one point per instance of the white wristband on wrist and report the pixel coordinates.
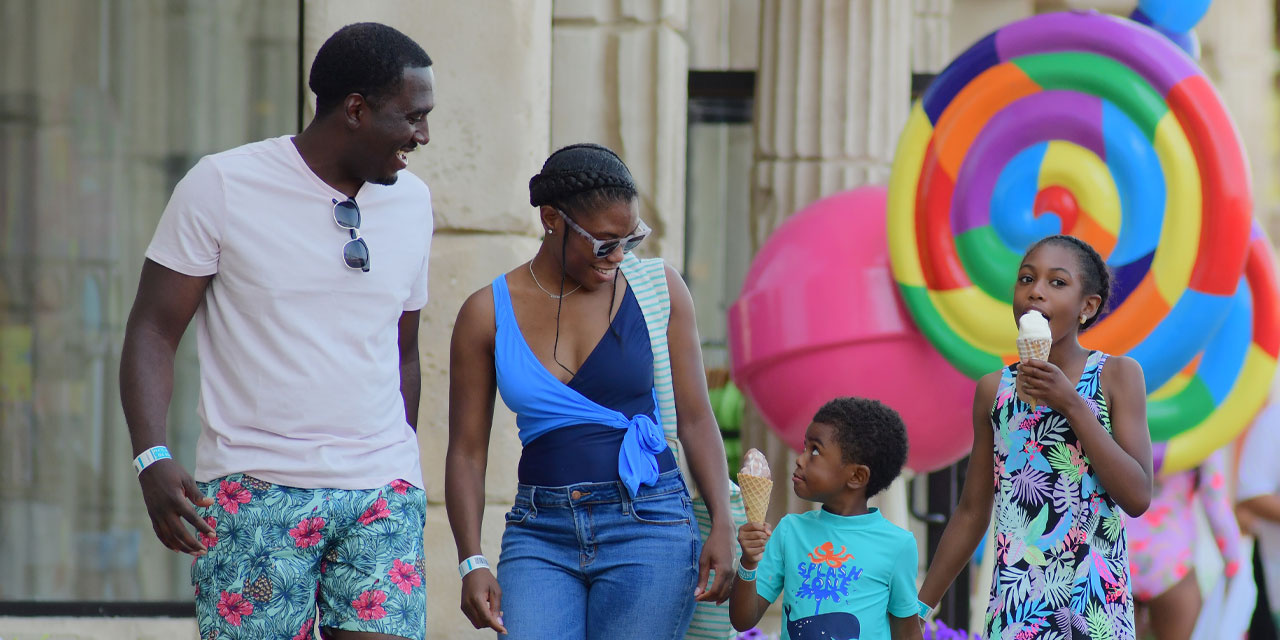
(746, 575)
(471, 564)
(150, 457)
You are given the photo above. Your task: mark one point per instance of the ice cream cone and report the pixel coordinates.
(1029, 348)
(755, 495)
(756, 481)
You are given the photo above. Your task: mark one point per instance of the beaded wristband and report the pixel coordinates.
(471, 564)
(150, 457)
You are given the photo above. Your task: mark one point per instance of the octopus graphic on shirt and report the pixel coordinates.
(841, 577)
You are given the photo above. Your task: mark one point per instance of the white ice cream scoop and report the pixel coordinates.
(1033, 325)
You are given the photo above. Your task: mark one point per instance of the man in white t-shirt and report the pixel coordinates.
(1258, 498)
(303, 260)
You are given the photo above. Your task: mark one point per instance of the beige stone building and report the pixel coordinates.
(105, 104)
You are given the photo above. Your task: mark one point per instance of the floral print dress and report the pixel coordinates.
(1062, 566)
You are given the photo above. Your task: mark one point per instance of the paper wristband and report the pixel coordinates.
(925, 610)
(471, 564)
(150, 457)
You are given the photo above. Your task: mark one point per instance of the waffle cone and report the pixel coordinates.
(1029, 348)
(755, 495)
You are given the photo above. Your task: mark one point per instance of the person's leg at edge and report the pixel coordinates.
(1174, 612)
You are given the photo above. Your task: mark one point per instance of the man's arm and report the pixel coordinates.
(1263, 507)
(162, 309)
(410, 366)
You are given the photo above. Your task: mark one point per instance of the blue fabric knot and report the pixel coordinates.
(637, 459)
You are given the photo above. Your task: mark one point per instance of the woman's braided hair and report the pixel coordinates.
(581, 177)
(1095, 273)
(578, 179)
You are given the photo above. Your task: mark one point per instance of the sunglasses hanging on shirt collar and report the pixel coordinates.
(355, 253)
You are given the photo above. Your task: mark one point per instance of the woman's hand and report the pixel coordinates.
(1045, 382)
(482, 600)
(717, 553)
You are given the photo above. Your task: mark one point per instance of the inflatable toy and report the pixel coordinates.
(1095, 126)
(819, 317)
(1186, 40)
(1177, 16)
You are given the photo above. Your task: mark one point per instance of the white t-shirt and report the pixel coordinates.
(299, 354)
(1260, 476)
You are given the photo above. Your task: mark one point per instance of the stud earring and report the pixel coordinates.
(550, 231)
(1083, 318)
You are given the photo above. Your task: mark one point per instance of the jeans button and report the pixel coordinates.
(576, 494)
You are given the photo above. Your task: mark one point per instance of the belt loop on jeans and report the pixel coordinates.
(626, 498)
(533, 503)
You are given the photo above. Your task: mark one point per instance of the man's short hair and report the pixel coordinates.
(365, 58)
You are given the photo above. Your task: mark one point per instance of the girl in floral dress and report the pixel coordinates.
(1062, 475)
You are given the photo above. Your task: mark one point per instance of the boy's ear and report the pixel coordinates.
(859, 476)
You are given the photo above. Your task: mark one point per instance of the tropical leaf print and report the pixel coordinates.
(1057, 585)
(1037, 526)
(1113, 526)
(1051, 429)
(1016, 584)
(1099, 624)
(1031, 486)
(1012, 519)
(1034, 557)
(1066, 494)
(1060, 543)
(1059, 458)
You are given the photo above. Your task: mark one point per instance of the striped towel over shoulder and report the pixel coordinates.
(648, 280)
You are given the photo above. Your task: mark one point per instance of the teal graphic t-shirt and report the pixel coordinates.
(842, 575)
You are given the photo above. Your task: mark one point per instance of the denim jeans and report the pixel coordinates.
(588, 561)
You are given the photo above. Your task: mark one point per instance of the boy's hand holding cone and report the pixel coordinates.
(756, 483)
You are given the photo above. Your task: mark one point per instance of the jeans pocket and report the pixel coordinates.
(669, 509)
(519, 513)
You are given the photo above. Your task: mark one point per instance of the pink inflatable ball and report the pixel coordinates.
(819, 317)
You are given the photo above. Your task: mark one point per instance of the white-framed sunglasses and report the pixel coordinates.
(602, 248)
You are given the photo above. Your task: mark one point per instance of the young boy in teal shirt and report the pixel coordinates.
(844, 570)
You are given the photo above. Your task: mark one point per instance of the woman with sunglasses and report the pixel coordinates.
(601, 541)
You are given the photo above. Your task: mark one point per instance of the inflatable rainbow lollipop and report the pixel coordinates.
(1099, 127)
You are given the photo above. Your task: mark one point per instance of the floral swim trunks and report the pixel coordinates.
(281, 551)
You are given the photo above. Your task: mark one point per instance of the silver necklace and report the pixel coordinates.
(544, 289)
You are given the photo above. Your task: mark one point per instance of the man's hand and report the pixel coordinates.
(482, 600)
(171, 496)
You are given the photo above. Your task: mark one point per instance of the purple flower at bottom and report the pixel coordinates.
(753, 633)
(938, 630)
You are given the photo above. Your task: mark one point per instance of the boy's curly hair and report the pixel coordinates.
(870, 433)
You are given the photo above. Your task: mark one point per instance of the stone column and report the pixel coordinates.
(489, 132)
(620, 78)
(832, 94)
(931, 36)
(1237, 40)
